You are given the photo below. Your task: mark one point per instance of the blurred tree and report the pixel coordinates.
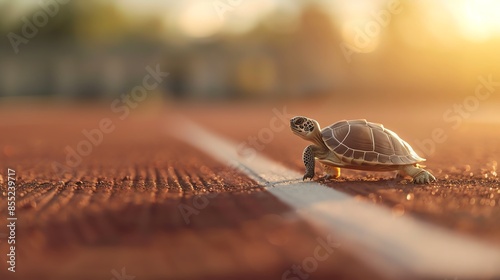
(58, 27)
(6, 8)
(99, 21)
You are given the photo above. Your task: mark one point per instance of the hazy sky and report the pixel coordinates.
(475, 19)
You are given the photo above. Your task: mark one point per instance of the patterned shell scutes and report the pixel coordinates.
(364, 143)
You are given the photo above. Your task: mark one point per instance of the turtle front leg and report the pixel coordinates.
(419, 175)
(308, 157)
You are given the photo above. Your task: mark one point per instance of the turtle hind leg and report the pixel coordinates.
(419, 175)
(331, 172)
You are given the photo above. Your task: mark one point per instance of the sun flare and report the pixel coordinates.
(477, 20)
(199, 20)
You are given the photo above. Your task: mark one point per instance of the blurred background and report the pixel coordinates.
(248, 49)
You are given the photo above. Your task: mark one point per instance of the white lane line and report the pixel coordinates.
(395, 246)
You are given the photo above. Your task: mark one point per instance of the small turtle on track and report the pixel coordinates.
(357, 144)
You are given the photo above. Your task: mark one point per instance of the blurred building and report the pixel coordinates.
(254, 65)
(93, 49)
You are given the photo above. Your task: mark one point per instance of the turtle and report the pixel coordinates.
(357, 144)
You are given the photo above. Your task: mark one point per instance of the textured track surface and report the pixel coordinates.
(121, 206)
(147, 203)
(466, 197)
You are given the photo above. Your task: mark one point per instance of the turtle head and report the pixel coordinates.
(304, 127)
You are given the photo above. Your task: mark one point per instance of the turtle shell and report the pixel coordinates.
(358, 142)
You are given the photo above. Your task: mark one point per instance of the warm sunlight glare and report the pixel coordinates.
(359, 39)
(361, 23)
(246, 15)
(199, 19)
(477, 20)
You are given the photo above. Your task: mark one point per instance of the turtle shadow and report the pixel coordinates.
(355, 187)
(365, 187)
(395, 183)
